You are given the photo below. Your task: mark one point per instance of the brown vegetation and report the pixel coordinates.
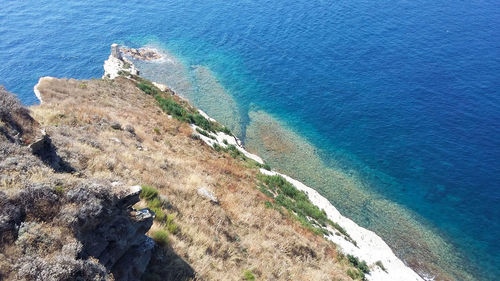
(110, 130)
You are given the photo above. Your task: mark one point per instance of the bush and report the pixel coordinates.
(226, 131)
(156, 204)
(148, 192)
(217, 147)
(248, 275)
(172, 108)
(159, 213)
(264, 166)
(178, 111)
(203, 132)
(361, 265)
(170, 225)
(296, 202)
(356, 274)
(148, 88)
(40, 202)
(161, 237)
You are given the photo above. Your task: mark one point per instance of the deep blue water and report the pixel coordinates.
(410, 89)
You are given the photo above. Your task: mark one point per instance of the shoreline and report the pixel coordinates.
(370, 247)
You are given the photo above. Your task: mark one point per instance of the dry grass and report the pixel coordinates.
(219, 242)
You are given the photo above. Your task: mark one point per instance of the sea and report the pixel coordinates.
(390, 109)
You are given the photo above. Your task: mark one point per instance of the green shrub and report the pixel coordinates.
(202, 122)
(171, 226)
(265, 166)
(248, 275)
(59, 189)
(361, 265)
(226, 131)
(183, 113)
(217, 147)
(341, 230)
(296, 202)
(356, 274)
(156, 204)
(172, 108)
(148, 88)
(235, 152)
(161, 237)
(148, 192)
(159, 213)
(203, 132)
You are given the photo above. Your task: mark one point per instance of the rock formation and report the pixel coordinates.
(142, 53)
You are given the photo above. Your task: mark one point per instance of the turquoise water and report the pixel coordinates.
(404, 93)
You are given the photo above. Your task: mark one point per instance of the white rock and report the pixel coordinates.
(208, 194)
(160, 86)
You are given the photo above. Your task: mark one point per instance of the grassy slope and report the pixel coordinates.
(220, 242)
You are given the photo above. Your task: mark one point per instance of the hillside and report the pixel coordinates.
(103, 139)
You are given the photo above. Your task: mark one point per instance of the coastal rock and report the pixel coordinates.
(161, 86)
(116, 64)
(369, 246)
(146, 54)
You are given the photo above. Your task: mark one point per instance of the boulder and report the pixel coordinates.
(203, 192)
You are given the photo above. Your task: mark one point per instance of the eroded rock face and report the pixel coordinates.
(116, 236)
(84, 233)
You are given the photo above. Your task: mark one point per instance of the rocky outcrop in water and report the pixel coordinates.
(141, 53)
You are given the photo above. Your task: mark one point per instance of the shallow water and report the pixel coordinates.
(394, 105)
